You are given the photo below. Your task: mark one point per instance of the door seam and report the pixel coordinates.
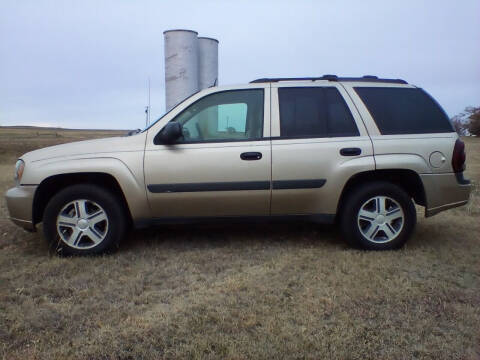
(364, 125)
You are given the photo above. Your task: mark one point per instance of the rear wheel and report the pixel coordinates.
(378, 216)
(84, 219)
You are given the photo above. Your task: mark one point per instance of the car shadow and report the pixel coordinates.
(208, 236)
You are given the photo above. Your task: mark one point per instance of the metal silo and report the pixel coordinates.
(207, 62)
(181, 65)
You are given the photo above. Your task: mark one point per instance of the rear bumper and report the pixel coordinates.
(444, 191)
(19, 204)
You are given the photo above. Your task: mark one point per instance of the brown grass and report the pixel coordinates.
(242, 291)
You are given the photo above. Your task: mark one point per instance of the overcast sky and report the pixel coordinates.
(85, 64)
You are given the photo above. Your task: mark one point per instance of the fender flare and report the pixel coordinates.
(132, 187)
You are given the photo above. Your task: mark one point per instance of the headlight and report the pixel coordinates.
(19, 167)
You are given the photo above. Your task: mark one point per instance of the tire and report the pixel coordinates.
(378, 216)
(84, 219)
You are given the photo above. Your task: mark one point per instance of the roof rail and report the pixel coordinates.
(365, 78)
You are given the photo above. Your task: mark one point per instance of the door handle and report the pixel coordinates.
(350, 151)
(251, 156)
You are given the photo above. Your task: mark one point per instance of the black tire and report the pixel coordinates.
(350, 225)
(113, 208)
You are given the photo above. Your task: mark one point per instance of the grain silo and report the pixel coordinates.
(207, 62)
(181, 65)
(191, 64)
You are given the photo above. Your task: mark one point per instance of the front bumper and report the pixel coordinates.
(20, 205)
(444, 191)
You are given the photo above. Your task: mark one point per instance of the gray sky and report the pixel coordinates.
(85, 64)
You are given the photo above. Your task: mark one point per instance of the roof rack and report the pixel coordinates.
(365, 78)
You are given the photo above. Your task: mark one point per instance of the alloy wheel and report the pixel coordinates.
(380, 219)
(82, 224)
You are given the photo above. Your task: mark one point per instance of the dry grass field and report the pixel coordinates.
(240, 291)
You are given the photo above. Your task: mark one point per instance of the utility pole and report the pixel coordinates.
(148, 108)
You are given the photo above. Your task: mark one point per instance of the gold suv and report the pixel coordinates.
(358, 151)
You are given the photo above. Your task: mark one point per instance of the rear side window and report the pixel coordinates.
(314, 112)
(404, 110)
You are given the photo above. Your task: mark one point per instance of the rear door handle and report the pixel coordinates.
(251, 155)
(350, 151)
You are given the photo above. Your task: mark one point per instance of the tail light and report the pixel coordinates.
(458, 158)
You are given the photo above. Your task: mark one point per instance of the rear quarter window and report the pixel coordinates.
(404, 110)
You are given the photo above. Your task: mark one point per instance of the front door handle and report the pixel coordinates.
(251, 155)
(350, 151)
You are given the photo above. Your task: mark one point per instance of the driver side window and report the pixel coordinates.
(228, 115)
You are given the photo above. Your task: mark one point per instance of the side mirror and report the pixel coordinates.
(169, 134)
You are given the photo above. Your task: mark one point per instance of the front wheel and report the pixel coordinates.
(84, 219)
(378, 216)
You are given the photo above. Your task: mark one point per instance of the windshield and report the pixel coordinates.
(161, 117)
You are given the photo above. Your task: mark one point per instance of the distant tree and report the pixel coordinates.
(460, 125)
(474, 120)
(468, 121)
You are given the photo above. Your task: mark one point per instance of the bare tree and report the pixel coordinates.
(474, 120)
(461, 127)
(468, 121)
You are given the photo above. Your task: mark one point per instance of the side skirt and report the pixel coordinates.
(315, 218)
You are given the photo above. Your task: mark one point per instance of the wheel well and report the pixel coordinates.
(53, 184)
(408, 180)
